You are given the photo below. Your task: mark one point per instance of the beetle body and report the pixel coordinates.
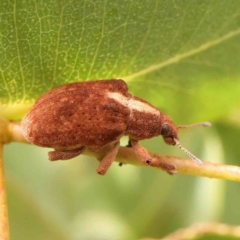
(94, 114)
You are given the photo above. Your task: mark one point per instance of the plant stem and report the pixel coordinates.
(203, 229)
(4, 229)
(126, 155)
(182, 165)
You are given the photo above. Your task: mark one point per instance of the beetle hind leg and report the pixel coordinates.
(108, 159)
(64, 154)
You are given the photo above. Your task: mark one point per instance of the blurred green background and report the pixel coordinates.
(182, 56)
(68, 200)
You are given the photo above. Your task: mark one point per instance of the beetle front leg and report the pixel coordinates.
(108, 159)
(169, 168)
(141, 152)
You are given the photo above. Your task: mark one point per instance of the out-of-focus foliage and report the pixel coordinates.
(182, 56)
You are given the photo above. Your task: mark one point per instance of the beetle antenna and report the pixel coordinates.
(203, 124)
(194, 158)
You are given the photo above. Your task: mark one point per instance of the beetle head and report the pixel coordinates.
(169, 131)
(170, 134)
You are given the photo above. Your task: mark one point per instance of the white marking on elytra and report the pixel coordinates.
(133, 104)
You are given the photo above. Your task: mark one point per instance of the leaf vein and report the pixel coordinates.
(182, 56)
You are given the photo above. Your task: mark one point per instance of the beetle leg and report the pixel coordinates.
(169, 168)
(141, 152)
(129, 143)
(64, 154)
(108, 159)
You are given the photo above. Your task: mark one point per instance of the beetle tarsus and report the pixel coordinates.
(65, 154)
(169, 168)
(108, 159)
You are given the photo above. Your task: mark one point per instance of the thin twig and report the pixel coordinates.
(4, 229)
(202, 229)
(126, 155)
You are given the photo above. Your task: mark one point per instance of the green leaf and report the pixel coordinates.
(182, 56)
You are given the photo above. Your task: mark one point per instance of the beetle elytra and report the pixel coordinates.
(93, 115)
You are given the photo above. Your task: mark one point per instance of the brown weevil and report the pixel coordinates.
(93, 115)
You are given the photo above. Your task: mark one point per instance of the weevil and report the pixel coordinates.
(93, 115)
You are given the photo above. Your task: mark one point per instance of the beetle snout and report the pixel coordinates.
(170, 139)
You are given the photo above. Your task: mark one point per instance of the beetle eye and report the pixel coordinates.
(165, 129)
